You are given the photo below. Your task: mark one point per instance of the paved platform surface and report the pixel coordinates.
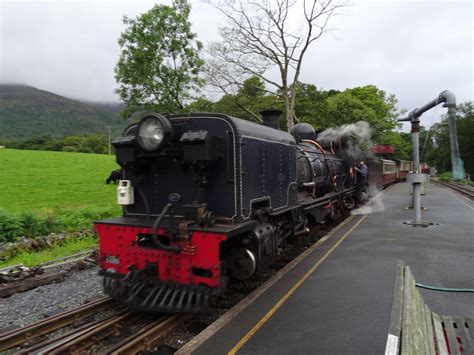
(342, 302)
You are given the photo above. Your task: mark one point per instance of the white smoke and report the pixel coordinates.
(363, 133)
(361, 130)
(374, 203)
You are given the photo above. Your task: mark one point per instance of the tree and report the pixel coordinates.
(159, 64)
(367, 103)
(264, 34)
(245, 103)
(311, 105)
(402, 145)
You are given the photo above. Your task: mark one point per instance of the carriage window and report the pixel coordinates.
(388, 168)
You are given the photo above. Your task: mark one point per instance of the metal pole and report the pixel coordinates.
(415, 141)
(456, 162)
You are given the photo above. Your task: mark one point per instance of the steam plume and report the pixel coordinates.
(360, 129)
(374, 204)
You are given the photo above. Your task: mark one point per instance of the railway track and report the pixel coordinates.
(118, 332)
(465, 190)
(18, 278)
(30, 333)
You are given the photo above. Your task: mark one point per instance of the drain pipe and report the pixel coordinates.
(416, 178)
(457, 165)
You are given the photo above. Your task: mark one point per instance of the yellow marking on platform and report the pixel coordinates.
(457, 198)
(272, 311)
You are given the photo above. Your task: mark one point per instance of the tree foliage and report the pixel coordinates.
(400, 140)
(311, 104)
(94, 143)
(260, 35)
(367, 103)
(159, 64)
(245, 103)
(333, 108)
(320, 108)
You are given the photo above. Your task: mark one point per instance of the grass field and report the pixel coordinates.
(70, 186)
(33, 180)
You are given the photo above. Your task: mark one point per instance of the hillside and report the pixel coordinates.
(114, 107)
(27, 112)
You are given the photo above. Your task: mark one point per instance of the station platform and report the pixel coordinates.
(337, 299)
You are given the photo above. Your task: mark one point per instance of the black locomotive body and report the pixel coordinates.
(207, 197)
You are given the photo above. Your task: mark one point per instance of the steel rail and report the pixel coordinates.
(148, 336)
(85, 338)
(465, 190)
(37, 329)
(70, 258)
(34, 349)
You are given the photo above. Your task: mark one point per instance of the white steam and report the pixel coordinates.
(361, 130)
(363, 133)
(374, 203)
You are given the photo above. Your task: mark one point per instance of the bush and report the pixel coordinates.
(93, 143)
(468, 182)
(447, 176)
(29, 224)
(33, 225)
(10, 226)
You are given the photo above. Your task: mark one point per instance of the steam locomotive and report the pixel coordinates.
(207, 197)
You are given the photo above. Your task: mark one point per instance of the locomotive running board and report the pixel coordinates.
(321, 201)
(156, 296)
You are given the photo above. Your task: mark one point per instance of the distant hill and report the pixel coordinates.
(114, 107)
(27, 112)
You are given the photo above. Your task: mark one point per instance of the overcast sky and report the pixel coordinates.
(413, 49)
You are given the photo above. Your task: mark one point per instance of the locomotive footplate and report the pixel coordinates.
(141, 293)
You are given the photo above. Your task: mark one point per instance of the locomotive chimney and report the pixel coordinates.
(271, 118)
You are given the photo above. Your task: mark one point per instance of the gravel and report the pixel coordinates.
(30, 306)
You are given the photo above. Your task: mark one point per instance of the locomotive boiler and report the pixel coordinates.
(208, 197)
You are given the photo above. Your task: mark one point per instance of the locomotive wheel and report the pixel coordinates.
(241, 263)
(349, 202)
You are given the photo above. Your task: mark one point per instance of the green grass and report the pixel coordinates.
(57, 181)
(45, 192)
(68, 248)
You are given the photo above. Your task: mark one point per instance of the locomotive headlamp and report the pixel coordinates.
(153, 130)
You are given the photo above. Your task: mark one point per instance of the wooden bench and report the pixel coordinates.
(415, 329)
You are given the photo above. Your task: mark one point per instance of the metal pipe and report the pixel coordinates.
(154, 237)
(446, 96)
(457, 165)
(421, 110)
(449, 100)
(415, 141)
